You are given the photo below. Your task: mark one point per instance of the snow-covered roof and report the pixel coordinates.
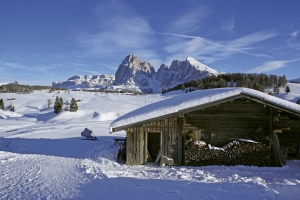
(194, 99)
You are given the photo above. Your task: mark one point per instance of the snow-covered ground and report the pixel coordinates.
(42, 156)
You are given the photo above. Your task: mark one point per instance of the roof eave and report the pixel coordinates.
(175, 114)
(206, 105)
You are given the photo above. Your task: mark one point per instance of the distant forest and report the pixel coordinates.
(23, 89)
(254, 81)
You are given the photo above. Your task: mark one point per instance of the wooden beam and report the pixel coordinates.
(281, 129)
(162, 126)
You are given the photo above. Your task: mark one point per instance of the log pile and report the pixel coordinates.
(237, 153)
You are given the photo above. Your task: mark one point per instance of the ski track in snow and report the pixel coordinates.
(38, 177)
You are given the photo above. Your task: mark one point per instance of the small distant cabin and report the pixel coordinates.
(217, 117)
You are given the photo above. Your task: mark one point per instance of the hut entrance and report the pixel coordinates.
(154, 143)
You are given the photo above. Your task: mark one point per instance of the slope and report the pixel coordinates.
(42, 156)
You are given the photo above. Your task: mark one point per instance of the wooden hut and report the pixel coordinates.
(215, 116)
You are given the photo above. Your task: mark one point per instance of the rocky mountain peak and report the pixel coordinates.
(136, 73)
(132, 70)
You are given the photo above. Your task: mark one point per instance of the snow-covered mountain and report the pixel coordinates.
(296, 80)
(86, 81)
(13, 82)
(141, 75)
(182, 71)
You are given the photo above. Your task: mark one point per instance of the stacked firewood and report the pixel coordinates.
(235, 153)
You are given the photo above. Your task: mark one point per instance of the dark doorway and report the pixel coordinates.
(153, 146)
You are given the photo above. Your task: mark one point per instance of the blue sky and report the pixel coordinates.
(51, 40)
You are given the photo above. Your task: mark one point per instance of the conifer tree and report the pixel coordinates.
(2, 104)
(60, 104)
(56, 106)
(287, 89)
(73, 105)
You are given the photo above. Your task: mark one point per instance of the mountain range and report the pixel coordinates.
(139, 75)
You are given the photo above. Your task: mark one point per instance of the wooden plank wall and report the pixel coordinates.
(135, 145)
(171, 140)
(171, 137)
(288, 138)
(237, 119)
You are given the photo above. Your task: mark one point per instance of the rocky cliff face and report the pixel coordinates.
(137, 74)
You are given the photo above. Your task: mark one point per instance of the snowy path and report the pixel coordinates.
(77, 169)
(38, 176)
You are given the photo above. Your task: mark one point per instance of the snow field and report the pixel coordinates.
(42, 156)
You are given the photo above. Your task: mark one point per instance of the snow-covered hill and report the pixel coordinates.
(43, 156)
(141, 76)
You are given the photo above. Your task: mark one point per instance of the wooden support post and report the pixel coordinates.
(145, 143)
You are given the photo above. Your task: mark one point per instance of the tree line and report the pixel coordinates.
(259, 82)
(24, 89)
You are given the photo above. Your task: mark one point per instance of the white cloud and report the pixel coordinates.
(210, 51)
(271, 66)
(12, 65)
(244, 41)
(6, 55)
(190, 20)
(293, 41)
(119, 35)
(294, 34)
(228, 25)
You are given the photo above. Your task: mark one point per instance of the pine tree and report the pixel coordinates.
(73, 105)
(287, 89)
(61, 103)
(56, 106)
(1, 104)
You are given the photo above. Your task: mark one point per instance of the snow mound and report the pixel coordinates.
(6, 114)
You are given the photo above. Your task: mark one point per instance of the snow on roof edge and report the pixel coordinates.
(193, 99)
